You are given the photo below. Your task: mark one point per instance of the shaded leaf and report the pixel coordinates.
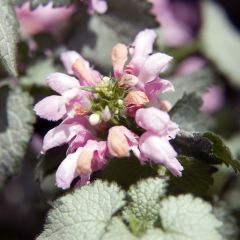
(229, 229)
(127, 171)
(84, 214)
(37, 73)
(222, 152)
(8, 37)
(143, 206)
(220, 41)
(196, 178)
(16, 125)
(197, 83)
(187, 115)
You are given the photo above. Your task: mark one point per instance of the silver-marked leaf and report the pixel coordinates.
(56, 3)
(8, 37)
(220, 41)
(187, 218)
(16, 125)
(117, 230)
(83, 214)
(142, 210)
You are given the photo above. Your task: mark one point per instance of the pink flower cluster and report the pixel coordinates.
(104, 117)
(47, 19)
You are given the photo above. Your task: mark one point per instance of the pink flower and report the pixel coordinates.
(156, 121)
(99, 6)
(179, 21)
(81, 163)
(43, 19)
(120, 141)
(213, 99)
(144, 66)
(158, 150)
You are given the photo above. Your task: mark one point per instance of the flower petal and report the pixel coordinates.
(157, 86)
(153, 66)
(61, 134)
(142, 47)
(120, 141)
(51, 108)
(156, 121)
(66, 172)
(119, 58)
(60, 82)
(159, 150)
(99, 6)
(68, 59)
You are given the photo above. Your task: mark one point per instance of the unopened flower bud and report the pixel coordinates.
(165, 106)
(106, 79)
(117, 143)
(120, 102)
(128, 80)
(80, 110)
(106, 114)
(94, 119)
(84, 162)
(136, 98)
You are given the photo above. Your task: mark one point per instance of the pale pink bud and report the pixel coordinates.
(81, 71)
(117, 143)
(136, 98)
(128, 80)
(84, 161)
(119, 57)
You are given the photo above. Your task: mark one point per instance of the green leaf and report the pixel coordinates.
(118, 169)
(196, 178)
(197, 83)
(187, 115)
(234, 146)
(144, 200)
(117, 230)
(37, 3)
(185, 217)
(84, 214)
(221, 151)
(37, 73)
(8, 37)
(16, 125)
(220, 41)
(96, 35)
(205, 146)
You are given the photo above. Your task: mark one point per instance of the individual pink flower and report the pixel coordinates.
(81, 163)
(143, 65)
(156, 121)
(179, 20)
(213, 99)
(99, 6)
(43, 19)
(154, 144)
(120, 141)
(158, 150)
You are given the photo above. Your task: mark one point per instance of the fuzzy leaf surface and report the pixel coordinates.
(8, 37)
(142, 210)
(83, 214)
(16, 125)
